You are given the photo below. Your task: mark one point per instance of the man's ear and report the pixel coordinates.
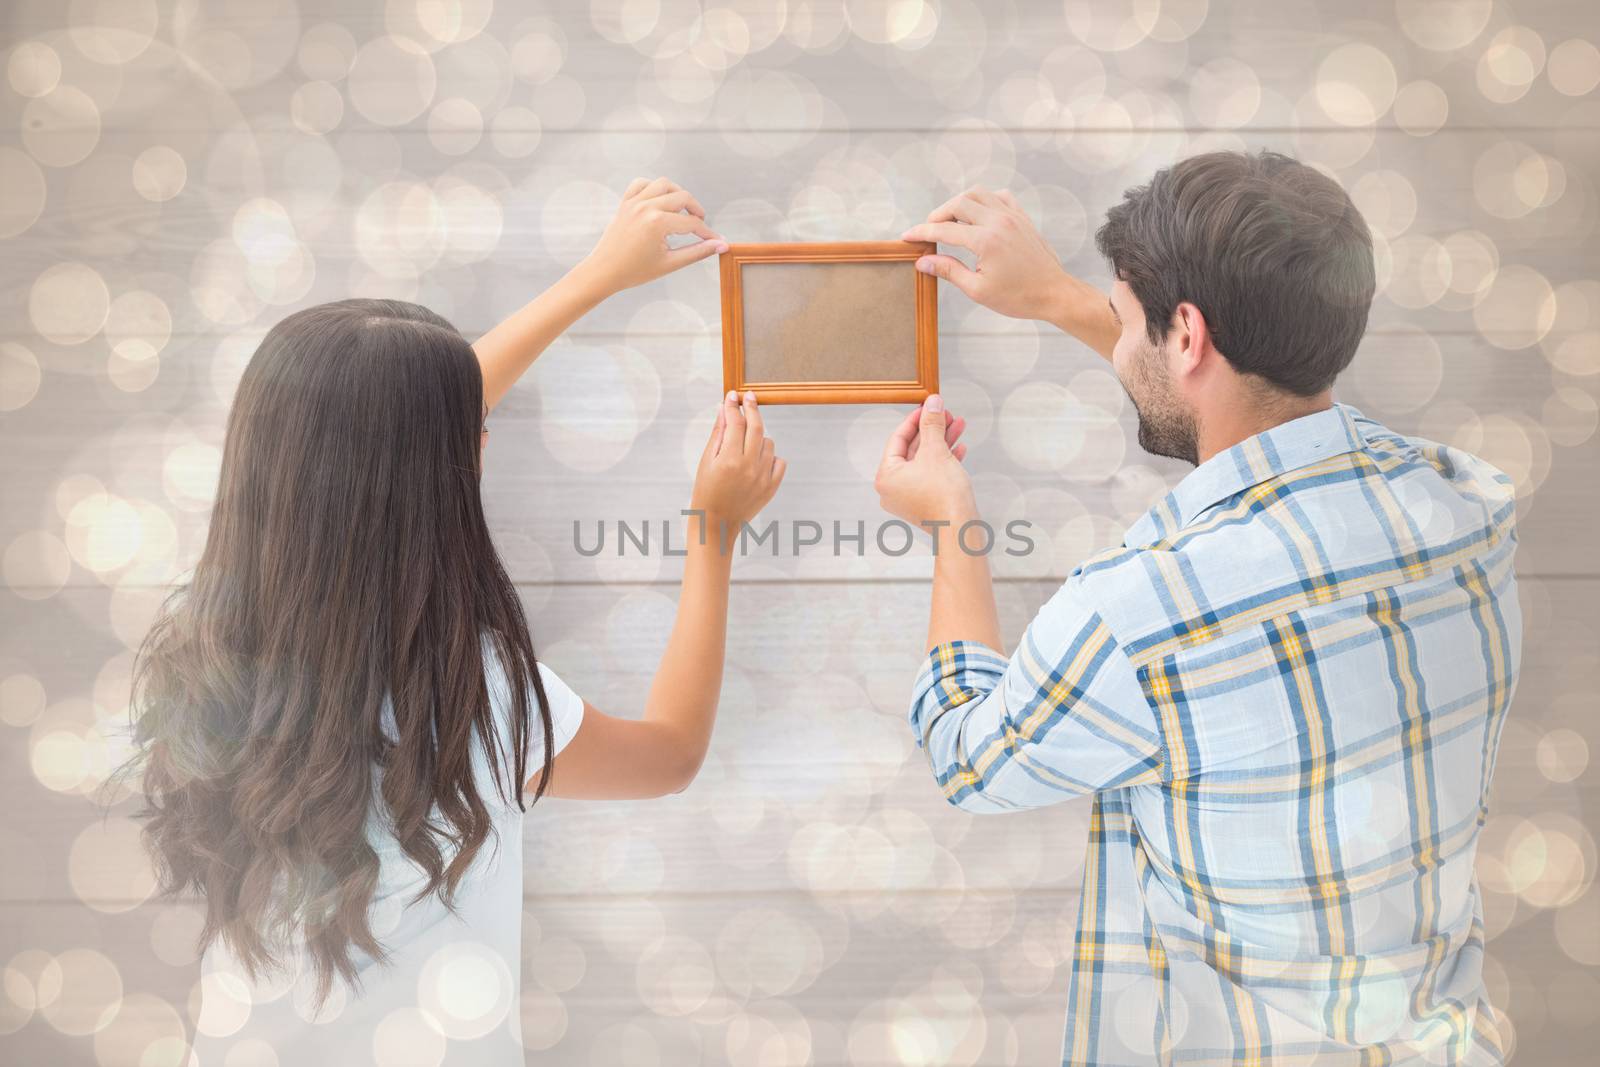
(1188, 339)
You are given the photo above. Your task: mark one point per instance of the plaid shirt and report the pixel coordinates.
(1284, 693)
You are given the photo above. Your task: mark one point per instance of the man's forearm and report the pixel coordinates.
(509, 349)
(963, 594)
(1084, 312)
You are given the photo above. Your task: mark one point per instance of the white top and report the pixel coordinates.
(450, 994)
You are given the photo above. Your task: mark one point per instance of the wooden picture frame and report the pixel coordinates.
(795, 332)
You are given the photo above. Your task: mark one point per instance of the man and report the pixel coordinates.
(1284, 691)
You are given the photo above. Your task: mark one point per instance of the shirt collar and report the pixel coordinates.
(1286, 446)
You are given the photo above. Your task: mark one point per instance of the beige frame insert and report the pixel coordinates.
(849, 391)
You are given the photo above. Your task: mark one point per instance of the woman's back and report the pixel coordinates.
(339, 718)
(449, 992)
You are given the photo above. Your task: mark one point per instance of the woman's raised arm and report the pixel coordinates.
(616, 758)
(633, 250)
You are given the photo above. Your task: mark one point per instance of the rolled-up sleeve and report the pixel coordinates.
(1063, 717)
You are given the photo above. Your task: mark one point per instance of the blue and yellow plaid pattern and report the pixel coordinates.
(1284, 693)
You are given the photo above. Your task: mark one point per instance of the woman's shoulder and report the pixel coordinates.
(566, 707)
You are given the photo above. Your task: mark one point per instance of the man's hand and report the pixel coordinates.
(920, 478)
(633, 249)
(1017, 273)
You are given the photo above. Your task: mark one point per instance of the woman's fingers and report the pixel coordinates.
(714, 445)
(678, 258)
(953, 430)
(634, 187)
(733, 433)
(711, 243)
(676, 199)
(655, 188)
(680, 223)
(754, 428)
(692, 225)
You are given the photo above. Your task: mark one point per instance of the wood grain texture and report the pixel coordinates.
(1057, 50)
(609, 976)
(815, 823)
(811, 731)
(810, 898)
(494, 259)
(609, 430)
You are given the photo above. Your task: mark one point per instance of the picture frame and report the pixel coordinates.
(831, 322)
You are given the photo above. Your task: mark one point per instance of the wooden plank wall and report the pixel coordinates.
(178, 175)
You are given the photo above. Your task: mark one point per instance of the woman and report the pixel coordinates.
(338, 716)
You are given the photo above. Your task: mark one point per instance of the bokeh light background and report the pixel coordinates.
(178, 174)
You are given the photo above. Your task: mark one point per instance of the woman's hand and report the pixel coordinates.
(624, 757)
(738, 471)
(633, 250)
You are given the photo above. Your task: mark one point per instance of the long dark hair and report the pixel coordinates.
(347, 559)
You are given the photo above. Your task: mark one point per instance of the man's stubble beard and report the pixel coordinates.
(1166, 427)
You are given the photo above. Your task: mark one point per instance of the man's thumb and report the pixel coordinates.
(931, 426)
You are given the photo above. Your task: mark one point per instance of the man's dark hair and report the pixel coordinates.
(1270, 250)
